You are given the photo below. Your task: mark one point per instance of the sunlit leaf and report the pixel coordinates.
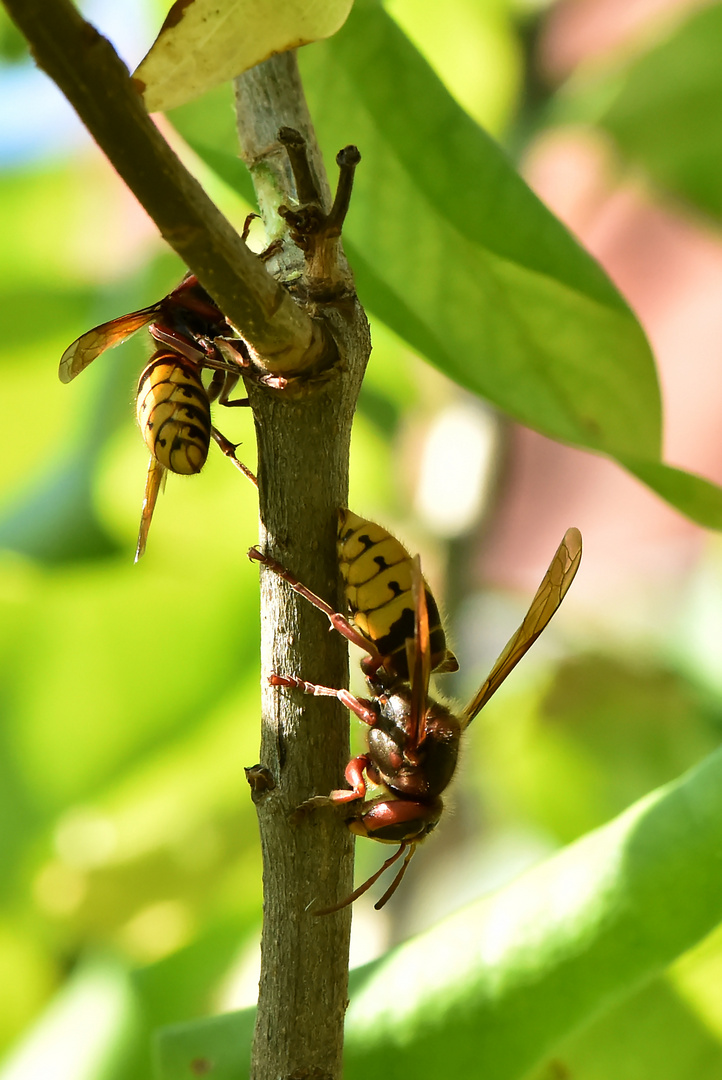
(26, 971)
(564, 942)
(205, 42)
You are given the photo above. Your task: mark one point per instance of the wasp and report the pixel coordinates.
(173, 405)
(413, 740)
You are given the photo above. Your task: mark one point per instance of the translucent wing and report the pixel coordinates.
(418, 652)
(153, 484)
(548, 597)
(94, 342)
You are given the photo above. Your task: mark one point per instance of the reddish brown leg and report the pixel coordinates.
(176, 341)
(222, 384)
(234, 356)
(354, 773)
(338, 621)
(207, 354)
(344, 696)
(229, 449)
(370, 881)
(397, 880)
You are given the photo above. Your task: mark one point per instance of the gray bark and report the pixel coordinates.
(303, 445)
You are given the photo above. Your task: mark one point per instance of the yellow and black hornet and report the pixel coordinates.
(413, 740)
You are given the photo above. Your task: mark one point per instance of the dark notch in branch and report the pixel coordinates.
(96, 82)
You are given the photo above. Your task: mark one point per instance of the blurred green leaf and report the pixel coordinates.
(33, 313)
(93, 678)
(180, 986)
(605, 731)
(46, 247)
(221, 1042)
(491, 990)
(698, 498)
(208, 125)
(664, 109)
(88, 1032)
(13, 46)
(55, 520)
(654, 1033)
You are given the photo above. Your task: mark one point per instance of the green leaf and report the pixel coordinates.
(666, 109)
(493, 989)
(208, 125)
(655, 1033)
(224, 1042)
(54, 520)
(693, 495)
(205, 42)
(13, 46)
(88, 1032)
(456, 254)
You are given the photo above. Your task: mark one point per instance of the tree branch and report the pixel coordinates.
(96, 82)
(279, 147)
(303, 479)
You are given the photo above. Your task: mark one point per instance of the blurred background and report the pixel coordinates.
(131, 870)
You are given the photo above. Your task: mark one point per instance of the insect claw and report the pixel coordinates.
(314, 803)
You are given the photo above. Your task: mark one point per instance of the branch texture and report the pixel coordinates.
(303, 446)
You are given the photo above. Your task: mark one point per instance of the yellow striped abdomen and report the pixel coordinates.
(376, 569)
(174, 413)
